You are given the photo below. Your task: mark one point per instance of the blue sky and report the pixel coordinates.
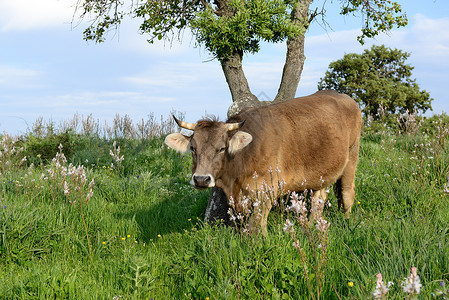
(48, 70)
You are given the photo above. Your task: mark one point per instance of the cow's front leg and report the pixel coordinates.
(259, 218)
(266, 208)
(318, 199)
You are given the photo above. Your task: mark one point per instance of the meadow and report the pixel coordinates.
(107, 212)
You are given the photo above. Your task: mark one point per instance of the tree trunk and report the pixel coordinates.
(293, 67)
(217, 208)
(238, 85)
(294, 60)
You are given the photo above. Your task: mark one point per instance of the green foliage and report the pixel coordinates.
(11, 156)
(109, 16)
(378, 79)
(161, 18)
(147, 240)
(43, 149)
(248, 23)
(379, 16)
(225, 27)
(435, 123)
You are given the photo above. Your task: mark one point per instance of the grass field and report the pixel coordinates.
(140, 234)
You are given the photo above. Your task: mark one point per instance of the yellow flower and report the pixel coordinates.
(207, 298)
(159, 235)
(189, 220)
(350, 284)
(104, 243)
(128, 235)
(358, 202)
(123, 238)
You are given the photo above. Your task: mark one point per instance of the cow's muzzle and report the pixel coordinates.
(202, 181)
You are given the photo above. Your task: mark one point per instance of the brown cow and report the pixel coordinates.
(313, 140)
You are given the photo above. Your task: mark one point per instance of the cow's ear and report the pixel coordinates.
(178, 142)
(239, 141)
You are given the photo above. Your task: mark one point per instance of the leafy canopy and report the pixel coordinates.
(379, 77)
(250, 22)
(225, 27)
(379, 16)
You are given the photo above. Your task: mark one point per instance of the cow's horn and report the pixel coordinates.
(235, 126)
(185, 125)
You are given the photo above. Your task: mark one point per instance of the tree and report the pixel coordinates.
(377, 77)
(230, 28)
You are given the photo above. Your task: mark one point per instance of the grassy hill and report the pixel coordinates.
(136, 230)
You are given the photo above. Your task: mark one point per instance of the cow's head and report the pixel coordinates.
(212, 144)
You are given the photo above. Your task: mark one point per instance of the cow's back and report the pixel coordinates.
(307, 138)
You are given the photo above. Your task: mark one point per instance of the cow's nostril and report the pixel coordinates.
(202, 181)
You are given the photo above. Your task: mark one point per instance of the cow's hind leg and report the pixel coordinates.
(345, 185)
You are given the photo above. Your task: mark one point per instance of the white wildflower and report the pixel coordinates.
(298, 207)
(446, 186)
(89, 195)
(322, 225)
(381, 289)
(412, 284)
(288, 226)
(66, 188)
(296, 244)
(231, 214)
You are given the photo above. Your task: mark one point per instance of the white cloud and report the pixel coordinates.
(104, 102)
(130, 39)
(263, 75)
(16, 77)
(20, 113)
(34, 14)
(309, 80)
(331, 42)
(427, 39)
(92, 100)
(165, 79)
(28, 15)
(173, 75)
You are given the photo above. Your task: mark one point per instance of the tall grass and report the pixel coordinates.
(142, 237)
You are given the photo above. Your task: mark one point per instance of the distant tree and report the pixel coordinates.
(377, 77)
(230, 28)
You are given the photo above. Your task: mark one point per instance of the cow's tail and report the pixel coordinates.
(338, 193)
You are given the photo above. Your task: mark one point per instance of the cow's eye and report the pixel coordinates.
(192, 149)
(221, 150)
